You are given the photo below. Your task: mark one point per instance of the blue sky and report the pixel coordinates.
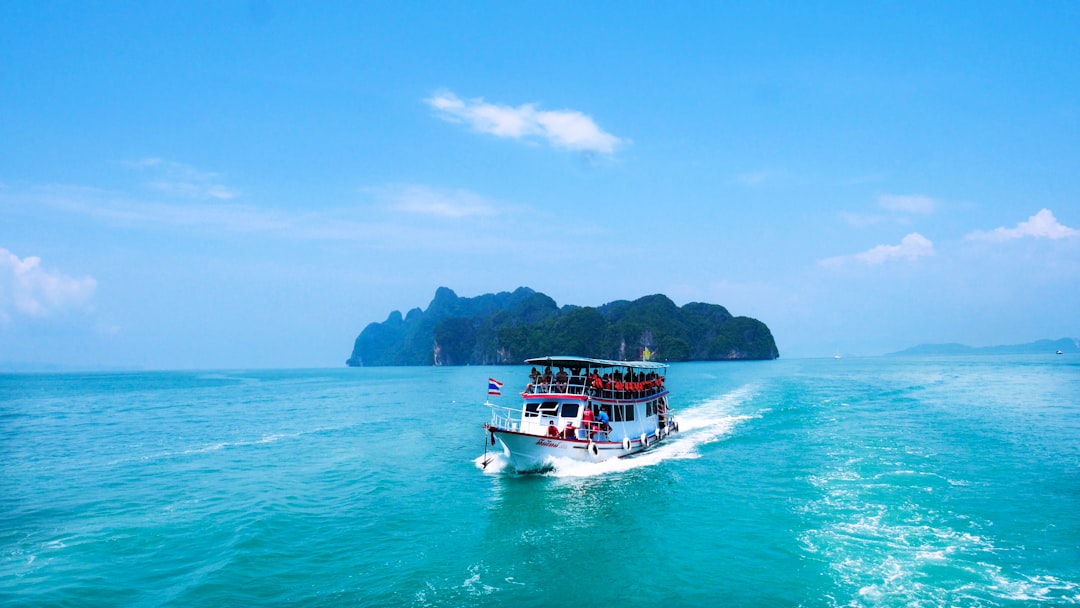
(249, 184)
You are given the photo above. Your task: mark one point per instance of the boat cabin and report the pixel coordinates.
(581, 399)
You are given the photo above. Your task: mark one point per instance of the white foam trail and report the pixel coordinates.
(474, 585)
(699, 425)
(713, 411)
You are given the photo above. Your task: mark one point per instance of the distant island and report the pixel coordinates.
(1039, 347)
(507, 328)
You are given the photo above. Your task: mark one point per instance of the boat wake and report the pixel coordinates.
(699, 425)
(885, 546)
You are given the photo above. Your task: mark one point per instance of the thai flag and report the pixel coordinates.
(494, 387)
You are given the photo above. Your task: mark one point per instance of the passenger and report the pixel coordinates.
(561, 379)
(553, 431)
(568, 432)
(593, 383)
(532, 387)
(602, 423)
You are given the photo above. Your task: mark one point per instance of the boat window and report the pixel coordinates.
(549, 408)
(531, 409)
(570, 410)
(650, 408)
(617, 414)
(630, 412)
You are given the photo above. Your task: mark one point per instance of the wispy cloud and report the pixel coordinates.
(862, 220)
(125, 209)
(392, 216)
(1042, 225)
(911, 247)
(426, 201)
(907, 203)
(759, 178)
(568, 129)
(900, 208)
(183, 180)
(27, 288)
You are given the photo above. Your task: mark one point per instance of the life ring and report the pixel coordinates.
(644, 440)
(492, 438)
(595, 451)
(626, 443)
(676, 426)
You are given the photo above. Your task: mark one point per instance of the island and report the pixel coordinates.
(1039, 347)
(508, 327)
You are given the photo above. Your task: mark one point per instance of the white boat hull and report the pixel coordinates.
(529, 453)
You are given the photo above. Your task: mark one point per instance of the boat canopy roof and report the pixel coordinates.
(566, 361)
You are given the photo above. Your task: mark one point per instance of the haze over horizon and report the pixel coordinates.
(249, 184)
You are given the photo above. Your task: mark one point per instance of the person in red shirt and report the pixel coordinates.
(568, 432)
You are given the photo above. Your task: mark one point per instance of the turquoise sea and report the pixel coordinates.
(949, 481)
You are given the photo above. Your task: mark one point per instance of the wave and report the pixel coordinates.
(267, 438)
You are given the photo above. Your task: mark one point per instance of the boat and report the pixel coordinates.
(583, 409)
(1060, 353)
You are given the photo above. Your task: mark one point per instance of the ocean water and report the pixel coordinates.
(859, 482)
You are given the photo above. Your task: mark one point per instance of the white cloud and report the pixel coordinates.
(184, 180)
(561, 128)
(1041, 225)
(29, 289)
(911, 203)
(911, 247)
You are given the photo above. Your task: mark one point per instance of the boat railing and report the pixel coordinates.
(560, 388)
(608, 391)
(504, 417)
